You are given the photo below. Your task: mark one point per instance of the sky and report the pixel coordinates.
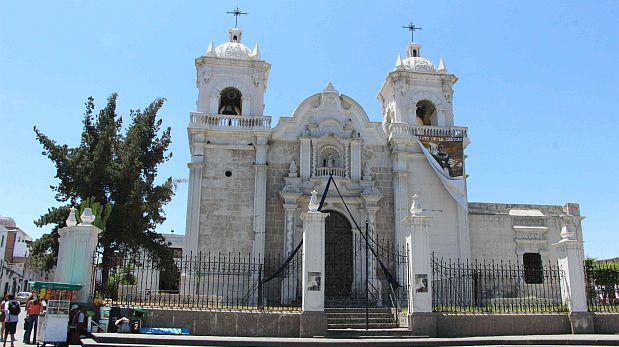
(537, 85)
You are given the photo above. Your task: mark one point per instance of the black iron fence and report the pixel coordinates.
(218, 281)
(602, 280)
(495, 287)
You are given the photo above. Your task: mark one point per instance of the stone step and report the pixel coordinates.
(357, 310)
(371, 315)
(371, 333)
(347, 325)
(359, 321)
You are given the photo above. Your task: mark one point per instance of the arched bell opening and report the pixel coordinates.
(230, 102)
(425, 112)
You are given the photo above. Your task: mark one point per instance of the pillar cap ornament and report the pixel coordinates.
(416, 208)
(87, 217)
(567, 233)
(313, 203)
(71, 220)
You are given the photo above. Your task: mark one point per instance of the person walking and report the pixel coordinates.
(11, 314)
(33, 310)
(2, 317)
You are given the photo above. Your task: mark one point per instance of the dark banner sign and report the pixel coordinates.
(448, 152)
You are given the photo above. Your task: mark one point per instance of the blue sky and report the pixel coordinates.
(537, 84)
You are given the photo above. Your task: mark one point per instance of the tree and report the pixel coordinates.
(113, 167)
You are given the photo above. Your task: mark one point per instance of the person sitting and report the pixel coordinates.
(78, 319)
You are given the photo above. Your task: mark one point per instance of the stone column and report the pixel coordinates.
(573, 284)
(355, 159)
(260, 186)
(420, 317)
(76, 248)
(371, 216)
(400, 189)
(289, 285)
(305, 157)
(192, 226)
(313, 319)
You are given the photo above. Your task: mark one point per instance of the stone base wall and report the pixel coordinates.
(459, 325)
(227, 323)
(606, 323)
(479, 324)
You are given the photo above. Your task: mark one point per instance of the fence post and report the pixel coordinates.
(76, 246)
(573, 284)
(421, 320)
(313, 319)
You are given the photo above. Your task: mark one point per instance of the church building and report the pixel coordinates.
(250, 180)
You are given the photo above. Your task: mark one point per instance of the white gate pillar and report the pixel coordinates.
(573, 283)
(313, 319)
(421, 320)
(76, 247)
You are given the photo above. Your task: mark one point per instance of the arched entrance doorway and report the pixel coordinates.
(338, 258)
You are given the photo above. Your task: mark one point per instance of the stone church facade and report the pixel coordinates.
(249, 179)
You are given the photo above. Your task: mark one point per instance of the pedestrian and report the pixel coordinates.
(2, 317)
(33, 310)
(11, 314)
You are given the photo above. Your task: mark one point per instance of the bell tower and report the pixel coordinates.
(426, 148)
(416, 92)
(231, 78)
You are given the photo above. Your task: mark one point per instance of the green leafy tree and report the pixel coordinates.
(115, 168)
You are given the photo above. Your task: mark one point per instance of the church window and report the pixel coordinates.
(230, 102)
(425, 113)
(414, 52)
(533, 269)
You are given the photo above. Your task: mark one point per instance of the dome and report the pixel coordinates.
(233, 50)
(418, 64)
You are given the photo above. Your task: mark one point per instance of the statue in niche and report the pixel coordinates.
(293, 169)
(330, 161)
(367, 172)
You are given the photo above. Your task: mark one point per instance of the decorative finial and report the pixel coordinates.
(255, 54)
(330, 88)
(416, 206)
(313, 203)
(411, 27)
(87, 217)
(210, 51)
(236, 13)
(71, 220)
(398, 62)
(441, 65)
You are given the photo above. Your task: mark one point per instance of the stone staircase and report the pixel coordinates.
(354, 318)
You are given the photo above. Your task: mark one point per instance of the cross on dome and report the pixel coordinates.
(236, 13)
(411, 27)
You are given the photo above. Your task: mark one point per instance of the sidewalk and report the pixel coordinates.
(19, 336)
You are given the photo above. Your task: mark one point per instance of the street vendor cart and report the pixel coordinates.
(54, 319)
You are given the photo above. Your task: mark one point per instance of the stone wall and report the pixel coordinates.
(379, 158)
(280, 155)
(227, 203)
(227, 323)
(459, 325)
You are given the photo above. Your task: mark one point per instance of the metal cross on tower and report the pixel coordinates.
(411, 27)
(236, 13)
